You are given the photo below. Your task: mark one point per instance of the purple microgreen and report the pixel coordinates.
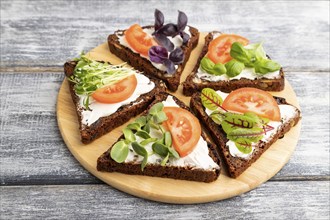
(158, 54)
(185, 37)
(182, 21)
(159, 19)
(177, 56)
(164, 41)
(168, 30)
(170, 68)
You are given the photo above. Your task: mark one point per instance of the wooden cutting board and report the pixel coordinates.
(164, 189)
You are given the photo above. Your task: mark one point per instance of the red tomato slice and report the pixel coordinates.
(253, 100)
(185, 129)
(219, 48)
(139, 40)
(118, 92)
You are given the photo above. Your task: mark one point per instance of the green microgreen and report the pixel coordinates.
(134, 126)
(215, 69)
(210, 99)
(160, 149)
(119, 152)
(128, 134)
(147, 141)
(140, 150)
(164, 161)
(143, 134)
(234, 68)
(167, 139)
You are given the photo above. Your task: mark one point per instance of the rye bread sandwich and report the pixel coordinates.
(159, 50)
(243, 137)
(106, 96)
(228, 62)
(166, 141)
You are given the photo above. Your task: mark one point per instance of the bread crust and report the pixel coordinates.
(189, 86)
(106, 163)
(106, 124)
(172, 81)
(236, 165)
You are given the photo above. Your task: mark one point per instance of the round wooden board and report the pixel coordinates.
(164, 189)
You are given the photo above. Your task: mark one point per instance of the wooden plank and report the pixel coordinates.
(298, 200)
(31, 145)
(313, 95)
(32, 150)
(46, 33)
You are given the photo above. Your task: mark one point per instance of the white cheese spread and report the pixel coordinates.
(247, 73)
(98, 110)
(198, 159)
(177, 42)
(237, 153)
(287, 112)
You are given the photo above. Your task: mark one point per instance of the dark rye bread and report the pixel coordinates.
(189, 86)
(105, 163)
(235, 165)
(106, 124)
(140, 63)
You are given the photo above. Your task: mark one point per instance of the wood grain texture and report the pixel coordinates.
(314, 143)
(30, 136)
(31, 145)
(47, 33)
(298, 200)
(38, 36)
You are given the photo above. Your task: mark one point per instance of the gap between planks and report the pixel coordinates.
(99, 182)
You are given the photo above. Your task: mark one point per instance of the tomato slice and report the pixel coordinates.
(185, 129)
(253, 100)
(118, 92)
(139, 40)
(219, 48)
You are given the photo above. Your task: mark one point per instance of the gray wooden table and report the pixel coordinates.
(41, 179)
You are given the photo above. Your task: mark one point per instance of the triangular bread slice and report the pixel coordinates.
(195, 83)
(143, 64)
(236, 165)
(206, 169)
(99, 126)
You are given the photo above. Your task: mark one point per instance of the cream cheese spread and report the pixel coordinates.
(198, 159)
(177, 42)
(98, 110)
(287, 112)
(237, 153)
(247, 73)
